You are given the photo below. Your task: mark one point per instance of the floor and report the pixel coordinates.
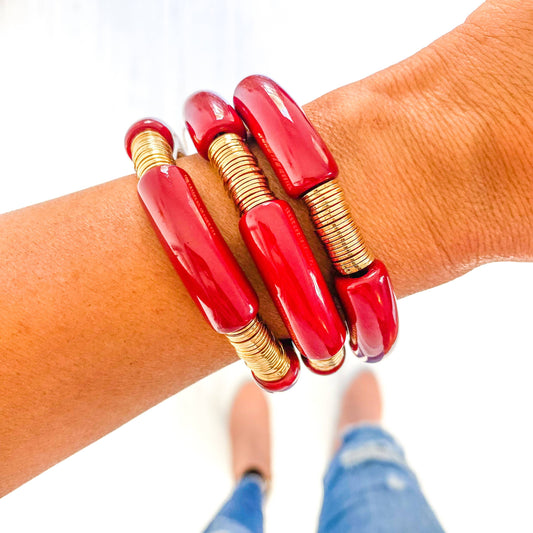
(457, 386)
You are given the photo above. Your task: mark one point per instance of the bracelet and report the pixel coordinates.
(271, 233)
(201, 257)
(306, 169)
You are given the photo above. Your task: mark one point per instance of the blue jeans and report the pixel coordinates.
(368, 488)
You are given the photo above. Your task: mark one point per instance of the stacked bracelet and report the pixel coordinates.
(272, 234)
(270, 230)
(307, 170)
(202, 259)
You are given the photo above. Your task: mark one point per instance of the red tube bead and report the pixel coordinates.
(290, 272)
(196, 249)
(297, 153)
(370, 307)
(206, 116)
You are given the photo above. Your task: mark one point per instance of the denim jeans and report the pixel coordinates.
(368, 488)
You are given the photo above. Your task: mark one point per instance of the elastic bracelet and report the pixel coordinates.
(201, 257)
(306, 169)
(272, 234)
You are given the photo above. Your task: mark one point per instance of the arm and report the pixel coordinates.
(95, 326)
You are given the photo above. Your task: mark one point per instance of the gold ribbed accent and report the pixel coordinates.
(325, 365)
(237, 166)
(337, 229)
(261, 352)
(150, 149)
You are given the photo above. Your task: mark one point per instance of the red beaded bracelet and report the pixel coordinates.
(201, 257)
(307, 170)
(272, 234)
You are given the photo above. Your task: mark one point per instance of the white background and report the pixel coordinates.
(73, 77)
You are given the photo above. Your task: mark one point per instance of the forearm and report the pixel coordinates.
(95, 326)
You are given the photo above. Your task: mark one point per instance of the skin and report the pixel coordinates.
(95, 326)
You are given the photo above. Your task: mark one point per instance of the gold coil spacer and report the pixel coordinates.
(260, 351)
(337, 229)
(325, 365)
(243, 179)
(150, 149)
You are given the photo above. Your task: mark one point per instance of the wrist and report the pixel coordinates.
(433, 154)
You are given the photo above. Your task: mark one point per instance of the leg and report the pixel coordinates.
(368, 486)
(242, 513)
(250, 444)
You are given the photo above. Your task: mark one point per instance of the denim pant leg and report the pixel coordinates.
(243, 512)
(369, 488)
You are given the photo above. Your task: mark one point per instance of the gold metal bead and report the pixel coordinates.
(261, 352)
(237, 166)
(325, 365)
(150, 149)
(337, 229)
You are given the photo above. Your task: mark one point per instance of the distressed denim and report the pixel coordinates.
(368, 488)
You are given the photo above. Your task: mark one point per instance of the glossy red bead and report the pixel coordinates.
(289, 379)
(297, 153)
(148, 124)
(370, 307)
(291, 274)
(196, 249)
(206, 116)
